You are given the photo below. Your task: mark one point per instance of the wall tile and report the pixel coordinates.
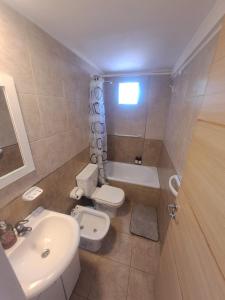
(54, 114)
(45, 59)
(53, 86)
(220, 51)
(56, 186)
(126, 119)
(151, 152)
(144, 122)
(216, 78)
(147, 118)
(159, 87)
(165, 170)
(188, 92)
(155, 126)
(124, 149)
(31, 115)
(14, 58)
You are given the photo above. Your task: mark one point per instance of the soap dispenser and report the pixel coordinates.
(7, 235)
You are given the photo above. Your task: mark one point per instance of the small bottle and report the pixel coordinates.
(140, 160)
(7, 235)
(136, 160)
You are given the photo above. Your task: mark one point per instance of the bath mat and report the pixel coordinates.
(144, 222)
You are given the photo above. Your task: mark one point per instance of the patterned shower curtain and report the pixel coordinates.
(98, 135)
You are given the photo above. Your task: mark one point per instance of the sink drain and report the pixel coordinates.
(45, 253)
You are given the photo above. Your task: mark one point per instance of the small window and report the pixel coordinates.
(129, 93)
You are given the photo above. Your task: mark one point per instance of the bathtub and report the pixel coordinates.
(132, 174)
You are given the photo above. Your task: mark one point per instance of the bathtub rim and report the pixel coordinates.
(156, 186)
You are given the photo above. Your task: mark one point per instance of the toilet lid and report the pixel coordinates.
(109, 195)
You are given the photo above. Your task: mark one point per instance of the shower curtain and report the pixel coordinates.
(98, 135)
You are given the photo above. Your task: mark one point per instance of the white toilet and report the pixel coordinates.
(107, 198)
(94, 225)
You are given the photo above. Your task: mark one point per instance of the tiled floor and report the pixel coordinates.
(124, 268)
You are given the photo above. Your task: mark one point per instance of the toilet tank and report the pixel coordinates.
(87, 179)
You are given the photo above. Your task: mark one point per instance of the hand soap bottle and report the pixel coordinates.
(7, 235)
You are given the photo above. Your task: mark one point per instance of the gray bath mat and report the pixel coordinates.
(144, 222)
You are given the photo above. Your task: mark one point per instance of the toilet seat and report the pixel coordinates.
(108, 195)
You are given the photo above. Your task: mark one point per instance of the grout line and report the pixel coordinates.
(34, 80)
(128, 282)
(121, 232)
(36, 93)
(211, 122)
(146, 272)
(89, 292)
(114, 260)
(129, 269)
(50, 136)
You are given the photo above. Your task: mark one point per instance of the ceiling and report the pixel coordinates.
(120, 35)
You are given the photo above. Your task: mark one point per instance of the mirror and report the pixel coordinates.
(10, 156)
(15, 155)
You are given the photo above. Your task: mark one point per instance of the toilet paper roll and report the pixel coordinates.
(76, 193)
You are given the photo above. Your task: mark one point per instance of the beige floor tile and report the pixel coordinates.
(140, 286)
(117, 246)
(88, 269)
(121, 222)
(145, 255)
(110, 281)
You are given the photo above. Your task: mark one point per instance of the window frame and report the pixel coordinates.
(133, 80)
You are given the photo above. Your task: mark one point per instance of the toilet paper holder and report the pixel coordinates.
(76, 193)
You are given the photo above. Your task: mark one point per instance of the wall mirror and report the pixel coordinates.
(15, 155)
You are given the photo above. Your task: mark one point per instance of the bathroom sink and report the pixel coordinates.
(40, 257)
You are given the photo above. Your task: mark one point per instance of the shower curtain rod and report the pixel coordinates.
(96, 77)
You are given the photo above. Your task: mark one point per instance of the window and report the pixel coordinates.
(129, 92)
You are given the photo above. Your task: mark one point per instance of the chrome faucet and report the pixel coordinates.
(21, 229)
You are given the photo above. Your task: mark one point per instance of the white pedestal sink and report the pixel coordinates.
(45, 254)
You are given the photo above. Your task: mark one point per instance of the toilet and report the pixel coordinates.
(106, 198)
(94, 225)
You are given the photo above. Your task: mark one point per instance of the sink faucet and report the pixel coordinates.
(21, 229)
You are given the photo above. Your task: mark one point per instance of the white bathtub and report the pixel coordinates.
(134, 174)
